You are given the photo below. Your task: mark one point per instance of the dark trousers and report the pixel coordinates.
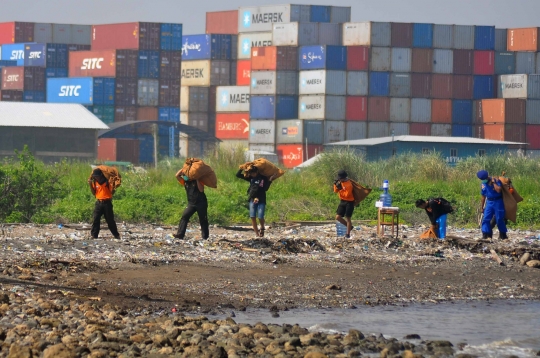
(104, 208)
(201, 208)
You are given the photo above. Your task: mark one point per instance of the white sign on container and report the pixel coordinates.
(232, 99)
(196, 73)
(263, 82)
(357, 34)
(513, 86)
(261, 18)
(289, 131)
(249, 40)
(311, 107)
(323, 82)
(262, 131)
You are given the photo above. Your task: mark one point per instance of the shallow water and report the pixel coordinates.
(491, 329)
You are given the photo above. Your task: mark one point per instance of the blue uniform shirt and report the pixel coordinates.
(489, 192)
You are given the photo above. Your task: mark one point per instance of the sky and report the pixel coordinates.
(501, 13)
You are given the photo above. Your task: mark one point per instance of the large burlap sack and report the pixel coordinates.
(510, 198)
(428, 234)
(359, 192)
(112, 175)
(196, 169)
(265, 167)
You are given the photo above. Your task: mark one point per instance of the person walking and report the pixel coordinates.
(196, 203)
(436, 209)
(493, 204)
(101, 189)
(344, 187)
(258, 186)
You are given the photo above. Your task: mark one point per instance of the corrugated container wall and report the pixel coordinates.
(16, 32)
(169, 92)
(289, 131)
(43, 33)
(422, 60)
(323, 82)
(205, 73)
(379, 109)
(441, 111)
(381, 34)
(322, 57)
(463, 62)
(443, 61)
(400, 110)
(243, 73)
(422, 35)
(484, 63)
(442, 86)
(357, 83)
(420, 110)
(206, 47)
(274, 82)
(462, 130)
(122, 114)
(319, 13)
(133, 35)
(526, 62)
(356, 34)
(14, 52)
(262, 131)
(274, 58)
(357, 58)
(378, 129)
(295, 34)
(532, 113)
(533, 86)
(379, 83)
(171, 37)
(356, 130)
(322, 107)
(484, 38)
(464, 37)
(505, 63)
(11, 96)
(222, 22)
(441, 130)
(92, 63)
(400, 85)
(462, 87)
(313, 132)
(380, 59)
(356, 108)
(500, 40)
(170, 64)
(126, 91)
(261, 18)
(462, 112)
(398, 128)
(340, 14)
(127, 63)
(420, 129)
(421, 85)
(402, 34)
(401, 59)
(533, 137)
(484, 87)
(524, 39)
(334, 131)
(329, 34)
(512, 86)
(149, 64)
(443, 36)
(194, 99)
(273, 107)
(148, 92)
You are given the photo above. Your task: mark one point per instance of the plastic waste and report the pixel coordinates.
(341, 230)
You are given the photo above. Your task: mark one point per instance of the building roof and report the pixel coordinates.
(193, 132)
(309, 162)
(419, 138)
(51, 115)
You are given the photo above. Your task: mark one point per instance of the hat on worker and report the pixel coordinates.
(342, 174)
(482, 174)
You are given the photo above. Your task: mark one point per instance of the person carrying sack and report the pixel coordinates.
(344, 187)
(101, 189)
(436, 209)
(196, 202)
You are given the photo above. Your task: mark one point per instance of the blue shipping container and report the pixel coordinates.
(8, 63)
(104, 90)
(14, 52)
(323, 57)
(148, 64)
(171, 37)
(462, 130)
(462, 112)
(484, 38)
(483, 87)
(505, 63)
(56, 72)
(273, 107)
(379, 83)
(206, 47)
(46, 55)
(423, 35)
(34, 96)
(168, 114)
(319, 13)
(70, 90)
(146, 149)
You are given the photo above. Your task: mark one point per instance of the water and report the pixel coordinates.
(491, 329)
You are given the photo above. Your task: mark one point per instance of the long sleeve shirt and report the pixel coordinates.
(346, 191)
(257, 186)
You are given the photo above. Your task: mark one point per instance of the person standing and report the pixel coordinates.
(493, 204)
(344, 187)
(196, 202)
(436, 209)
(101, 189)
(258, 186)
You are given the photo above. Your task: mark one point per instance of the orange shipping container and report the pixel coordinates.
(274, 58)
(505, 132)
(501, 110)
(92, 63)
(114, 149)
(222, 22)
(16, 32)
(524, 39)
(441, 111)
(232, 125)
(243, 73)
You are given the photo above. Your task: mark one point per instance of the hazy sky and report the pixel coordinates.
(191, 13)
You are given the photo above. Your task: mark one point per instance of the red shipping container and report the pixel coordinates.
(402, 34)
(113, 149)
(379, 109)
(232, 125)
(274, 58)
(131, 35)
(92, 63)
(441, 111)
(441, 86)
(146, 114)
(16, 32)
(421, 85)
(505, 132)
(484, 62)
(125, 114)
(169, 92)
(13, 78)
(533, 136)
(357, 58)
(422, 60)
(170, 65)
(243, 73)
(462, 87)
(222, 22)
(420, 129)
(463, 62)
(292, 155)
(356, 108)
(11, 96)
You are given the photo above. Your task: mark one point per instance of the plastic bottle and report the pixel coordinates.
(341, 230)
(385, 197)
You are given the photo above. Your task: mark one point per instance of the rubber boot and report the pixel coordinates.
(503, 236)
(486, 236)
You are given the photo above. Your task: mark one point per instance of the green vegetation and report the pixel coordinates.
(35, 192)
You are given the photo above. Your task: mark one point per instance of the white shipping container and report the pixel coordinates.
(262, 131)
(323, 82)
(295, 34)
(322, 107)
(289, 131)
(263, 82)
(184, 98)
(356, 34)
(261, 18)
(356, 130)
(196, 73)
(399, 129)
(441, 130)
(232, 99)
(400, 109)
(334, 131)
(249, 40)
(378, 129)
(513, 86)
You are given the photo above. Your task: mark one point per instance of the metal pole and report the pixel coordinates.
(155, 145)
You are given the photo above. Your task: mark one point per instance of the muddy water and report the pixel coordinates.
(491, 329)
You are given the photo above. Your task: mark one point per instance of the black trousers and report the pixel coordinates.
(201, 208)
(104, 208)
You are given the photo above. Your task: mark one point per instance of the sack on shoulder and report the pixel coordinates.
(197, 169)
(264, 166)
(360, 192)
(112, 175)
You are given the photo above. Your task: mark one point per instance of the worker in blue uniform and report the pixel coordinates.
(492, 193)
